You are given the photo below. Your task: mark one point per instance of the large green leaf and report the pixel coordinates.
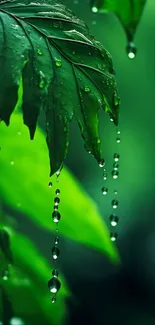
(62, 70)
(26, 287)
(24, 186)
(128, 12)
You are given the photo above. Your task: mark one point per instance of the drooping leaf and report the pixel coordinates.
(26, 286)
(128, 12)
(24, 187)
(62, 69)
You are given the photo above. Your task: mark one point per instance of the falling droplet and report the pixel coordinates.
(102, 163)
(116, 157)
(114, 204)
(115, 174)
(55, 252)
(94, 9)
(54, 285)
(55, 273)
(56, 207)
(39, 52)
(113, 236)
(114, 220)
(115, 165)
(87, 89)
(56, 216)
(104, 190)
(53, 300)
(118, 131)
(104, 175)
(50, 184)
(56, 240)
(56, 200)
(118, 140)
(57, 192)
(58, 63)
(131, 50)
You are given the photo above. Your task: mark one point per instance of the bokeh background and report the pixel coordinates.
(104, 293)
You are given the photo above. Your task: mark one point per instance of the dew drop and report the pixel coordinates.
(56, 216)
(131, 50)
(57, 192)
(55, 273)
(56, 207)
(56, 240)
(102, 163)
(50, 184)
(115, 165)
(115, 192)
(53, 300)
(118, 131)
(104, 190)
(5, 275)
(39, 52)
(113, 236)
(58, 63)
(54, 285)
(94, 9)
(56, 200)
(55, 252)
(118, 140)
(114, 220)
(115, 174)
(116, 157)
(104, 175)
(87, 89)
(114, 204)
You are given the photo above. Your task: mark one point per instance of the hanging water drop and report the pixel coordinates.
(113, 236)
(57, 192)
(115, 165)
(131, 50)
(53, 300)
(118, 140)
(104, 190)
(56, 200)
(50, 184)
(56, 240)
(56, 216)
(58, 63)
(116, 157)
(114, 204)
(54, 285)
(115, 174)
(102, 163)
(114, 220)
(55, 252)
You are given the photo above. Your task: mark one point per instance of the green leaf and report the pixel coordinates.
(24, 186)
(128, 12)
(62, 69)
(27, 288)
(5, 251)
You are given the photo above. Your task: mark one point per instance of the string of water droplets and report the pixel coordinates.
(54, 283)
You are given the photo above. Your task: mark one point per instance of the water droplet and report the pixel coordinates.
(16, 321)
(5, 275)
(104, 190)
(55, 273)
(116, 157)
(54, 285)
(56, 207)
(42, 80)
(104, 175)
(118, 131)
(115, 192)
(53, 300)
(115, 165)
(57, 192)
(115, 174)
(56, 240)
(87, 89)
(39, 52)
(113, 236)
(131, 50)
(55, 252)
(56, 200)
(114, 220)
(114, 204)
(102, 163)
(94, 9)
(56, 216)
(58, 63)
(118, 140)
(50, 184)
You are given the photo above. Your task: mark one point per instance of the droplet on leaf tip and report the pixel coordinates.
(131, 50)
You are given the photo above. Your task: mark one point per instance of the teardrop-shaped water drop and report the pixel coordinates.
(55, 273)
(115, 165)
(56, 216)
(50, 184)
(118, 139)
(118, 131)
(116, 157)
(113, 236)
(57, 192)
(115, 174)
(114, 204)
(55, 252)
(114, 220)
(131, 50)
(56, 200)
(53, 299)
(104, 190)
(102, 163)
(56, 240)
(54, 285)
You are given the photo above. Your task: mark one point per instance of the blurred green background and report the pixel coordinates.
(104, 292)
